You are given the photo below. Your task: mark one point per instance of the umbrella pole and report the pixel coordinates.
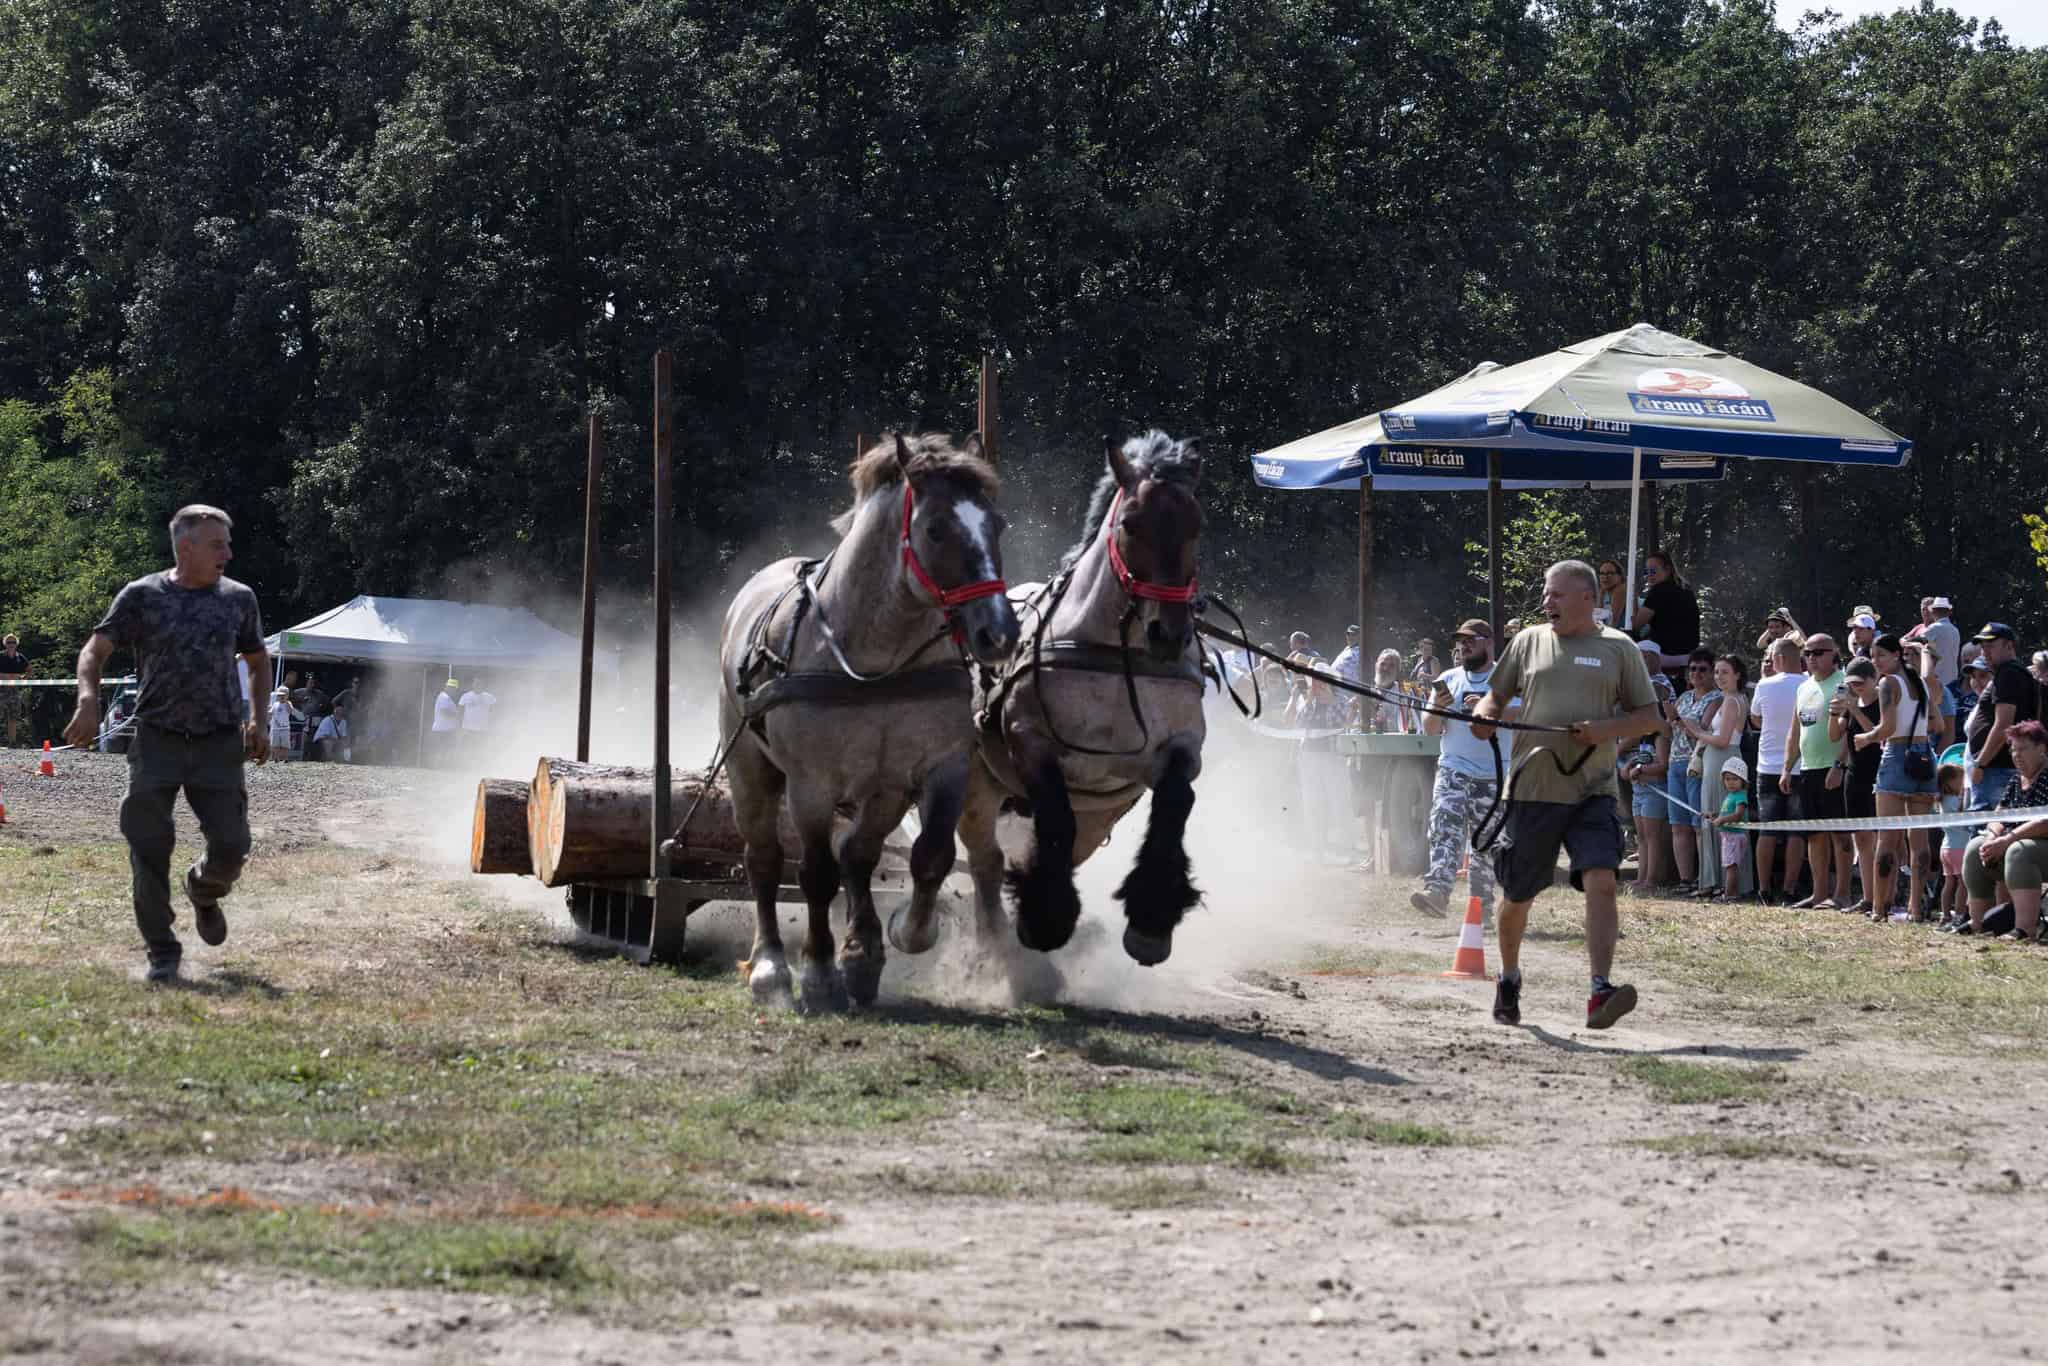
(1635, 497)
(1493, 521)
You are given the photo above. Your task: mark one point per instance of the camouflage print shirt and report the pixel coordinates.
(185, 642)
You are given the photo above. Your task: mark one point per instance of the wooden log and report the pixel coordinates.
(592, 821)
(497, 832)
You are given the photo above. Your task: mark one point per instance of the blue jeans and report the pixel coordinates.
(1892, 778)
(1682, 787)
(1985, 795)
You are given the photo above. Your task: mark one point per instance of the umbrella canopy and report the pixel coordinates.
(1646, 389)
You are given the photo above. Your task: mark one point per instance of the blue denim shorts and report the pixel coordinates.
(1648, 802)
(1681, 786)
(1891, 771)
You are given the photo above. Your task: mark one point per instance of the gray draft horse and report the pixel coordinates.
(842, 691)
(1081, 721)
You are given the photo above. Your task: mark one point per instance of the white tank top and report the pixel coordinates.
(1912, 713)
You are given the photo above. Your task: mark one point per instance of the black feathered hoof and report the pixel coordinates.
(1048, 908)
(1147, 950)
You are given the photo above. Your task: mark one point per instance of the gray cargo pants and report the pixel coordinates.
(1456, 805)
(209, 768)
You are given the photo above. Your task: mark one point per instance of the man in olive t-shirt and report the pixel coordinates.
(1590, 681)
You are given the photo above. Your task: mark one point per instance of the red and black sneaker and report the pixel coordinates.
(1603, 1008)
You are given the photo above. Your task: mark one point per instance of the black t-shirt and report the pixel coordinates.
(1675, 618)
(185, 642)
(13, 662)
(2010, 683)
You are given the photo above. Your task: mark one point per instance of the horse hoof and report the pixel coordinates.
(900, 937)
(863, 978)
(1043, 938)
(770, 985)
(824, 992)
(1148, 950)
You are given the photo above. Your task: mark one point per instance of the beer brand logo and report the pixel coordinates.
(1669, 392)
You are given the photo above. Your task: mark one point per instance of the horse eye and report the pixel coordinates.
(935, 530)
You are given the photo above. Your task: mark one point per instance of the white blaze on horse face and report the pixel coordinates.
(979, 529)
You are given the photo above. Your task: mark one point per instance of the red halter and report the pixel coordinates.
(1132, 584)
(946, 599)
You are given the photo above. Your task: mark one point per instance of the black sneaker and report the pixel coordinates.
(163, 971)
(1507, 1002)
(206, 916)
(1430, 903)
(1603, 1008)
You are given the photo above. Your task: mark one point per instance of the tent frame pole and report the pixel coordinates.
(663, 448)
(1635, 498)
(1494, 507)
(588, 643)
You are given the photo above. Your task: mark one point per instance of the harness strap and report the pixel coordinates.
(1132, 584)
(825, 688)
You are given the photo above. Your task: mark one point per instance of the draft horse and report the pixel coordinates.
(1101, 700)
(844, 689)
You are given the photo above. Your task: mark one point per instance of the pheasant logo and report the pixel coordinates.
(1688, 382)
(1670, 392)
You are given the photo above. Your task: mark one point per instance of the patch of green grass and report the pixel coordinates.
(1395, 1133)
(1690, 1083)
(1157, 1123)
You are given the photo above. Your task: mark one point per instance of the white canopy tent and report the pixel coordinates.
(448, 637)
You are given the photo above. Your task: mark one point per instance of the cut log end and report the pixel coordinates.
(498, 840)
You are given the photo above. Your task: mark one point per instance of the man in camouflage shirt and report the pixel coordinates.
(186, 625)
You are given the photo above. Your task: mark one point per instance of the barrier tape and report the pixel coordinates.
(1933, 820)
(58, 682)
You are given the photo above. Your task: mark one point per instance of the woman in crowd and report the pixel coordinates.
(1427, 665)
(1683, 775)
(2014, 855)
(1905, 773)
(1386, 675)
(1855, 713)
(1611, 608)
(1718, 741)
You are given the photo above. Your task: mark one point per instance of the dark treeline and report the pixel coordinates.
(357, 270)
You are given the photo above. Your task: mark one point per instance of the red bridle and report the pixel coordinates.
(1132, 584)
(946, 599)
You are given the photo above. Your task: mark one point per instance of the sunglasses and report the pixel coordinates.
(1698, 669)
(1809, 654)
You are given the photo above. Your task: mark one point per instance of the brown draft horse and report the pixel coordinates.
(842, 691)
(1081, 721)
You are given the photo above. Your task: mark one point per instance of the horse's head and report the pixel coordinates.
(1154, 528)
(952, 541)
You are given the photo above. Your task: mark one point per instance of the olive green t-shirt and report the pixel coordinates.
(1562, 679)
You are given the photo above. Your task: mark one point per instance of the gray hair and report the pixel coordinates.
(1575, 569)
(190, 516)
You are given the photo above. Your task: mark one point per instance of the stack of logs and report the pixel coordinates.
(583, 822)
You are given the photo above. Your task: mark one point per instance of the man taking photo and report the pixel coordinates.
(1467, 775)
(1589, 681)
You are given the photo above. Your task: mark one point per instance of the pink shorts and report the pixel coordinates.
(1952, 861)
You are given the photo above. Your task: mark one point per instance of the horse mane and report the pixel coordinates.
(1155, 455)
(875, 468)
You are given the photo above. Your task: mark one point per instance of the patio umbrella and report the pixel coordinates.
(1644, 390)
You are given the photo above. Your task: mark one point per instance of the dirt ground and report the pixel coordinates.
(1864, 1184)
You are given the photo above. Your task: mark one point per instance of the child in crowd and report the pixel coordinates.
(1734, 808)
(282, 714)
(1955, 842)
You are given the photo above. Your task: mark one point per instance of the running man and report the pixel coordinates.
(187, 625)
(1466, 776)
(1576, 674)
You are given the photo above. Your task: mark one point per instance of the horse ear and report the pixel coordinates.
(972, 445)
(902, 455)
(1126, 477)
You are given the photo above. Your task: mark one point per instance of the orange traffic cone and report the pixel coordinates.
(3, 809)
(46, 769)
(1469, 964)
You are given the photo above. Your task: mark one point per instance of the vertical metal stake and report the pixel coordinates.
(1493, 530)
(583, 677)
(663, 443)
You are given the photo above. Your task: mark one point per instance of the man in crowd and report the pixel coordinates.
(187, 626)
(1776, 708)
(2039, 667)
(1943, 639)
(331, 740)
(476, 707)
(1590, 681)
(1817, 767)
(2011, 696)
(1862, 630)
(447, 727)
(1350, 662)
(13, 701)
(1467, 775)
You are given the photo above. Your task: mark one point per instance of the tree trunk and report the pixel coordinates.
(497, 832)
(592, 821)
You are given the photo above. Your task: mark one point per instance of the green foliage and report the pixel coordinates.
(2037, 539)
(79, 489)
(1541, 529)
(358, 269)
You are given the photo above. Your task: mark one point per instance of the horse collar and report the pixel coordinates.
(1132, 584)
(945, 599)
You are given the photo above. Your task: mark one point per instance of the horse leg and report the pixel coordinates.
(860, 848)
(1048, 906)
(1157, 892)
(914, 927)
(757, 801)
(978, 816)
(818, 874)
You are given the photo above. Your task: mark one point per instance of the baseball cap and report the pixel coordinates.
(1649, 647)
(1737, 767)
(2040, 657)
(1473, 626)
(1865, 620)
(451, 683)
(1351, 630)
(1994, 630)
(1943, 603)
(1980, 663)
